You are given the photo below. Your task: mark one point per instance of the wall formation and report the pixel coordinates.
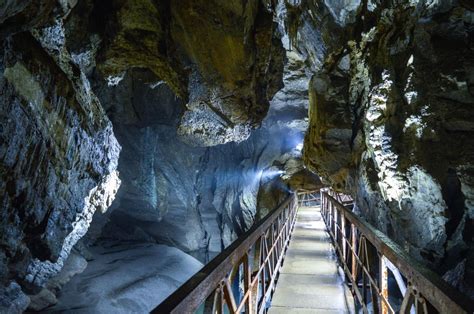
(181, 123)
(390, 123)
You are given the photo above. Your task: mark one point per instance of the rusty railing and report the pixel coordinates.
(367, 255)
(242, 277)
(308, 198)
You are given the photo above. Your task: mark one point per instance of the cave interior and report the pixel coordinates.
(140, 138)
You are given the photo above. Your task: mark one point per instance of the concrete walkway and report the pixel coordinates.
(309, 281)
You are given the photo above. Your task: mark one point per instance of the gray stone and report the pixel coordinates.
(42, 300)
(12, 299)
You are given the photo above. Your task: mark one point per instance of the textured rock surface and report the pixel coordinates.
(197, 199)
(224, 59)
(66, 146)
(209, 101)
(13, 299)
(236, 67)
(390, 114)
(176, 80)
(58, 154)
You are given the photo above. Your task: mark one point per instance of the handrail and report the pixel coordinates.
(348, 231)
(260, 251)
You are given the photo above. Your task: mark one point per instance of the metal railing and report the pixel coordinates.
(308, 198)
(242, 277)
(367, 255)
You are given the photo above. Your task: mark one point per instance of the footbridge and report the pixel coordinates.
(313, 254)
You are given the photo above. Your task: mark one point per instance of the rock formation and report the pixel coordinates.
(173, 126)
(390, 123)
(58, 157)
(182, 88)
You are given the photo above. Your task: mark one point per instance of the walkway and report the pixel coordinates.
(309, 281)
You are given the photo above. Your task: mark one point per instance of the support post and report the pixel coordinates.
(354, 250)
(383, 284)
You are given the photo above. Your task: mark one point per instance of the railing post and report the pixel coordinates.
(264, 264)
(343, 237)
(383, 284)
(247, 283)
(336, 212)
(220, 300)
(330, 219)
(354, 250)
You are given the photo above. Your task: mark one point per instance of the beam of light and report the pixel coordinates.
(257, 177)
(271, 173)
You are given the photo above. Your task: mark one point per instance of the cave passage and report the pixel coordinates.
(141, 141)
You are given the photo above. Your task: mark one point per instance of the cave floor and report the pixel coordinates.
(309, 281)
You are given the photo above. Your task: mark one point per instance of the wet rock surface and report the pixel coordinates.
(389, 114)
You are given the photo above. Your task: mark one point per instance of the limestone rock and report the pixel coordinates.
(399, 142)
(237, 68)
(42, 300)
(12, 299)
(58, 154)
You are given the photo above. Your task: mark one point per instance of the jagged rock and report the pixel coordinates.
(225, 62)
(74, 264)
(397, 141)
(140, 39)
(58, 154)
(12, 299)
(42, 300)
(17, 16)
(237, 69)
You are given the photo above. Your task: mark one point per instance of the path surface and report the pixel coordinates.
(309, 281)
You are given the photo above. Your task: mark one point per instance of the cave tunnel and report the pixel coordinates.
(235, 156)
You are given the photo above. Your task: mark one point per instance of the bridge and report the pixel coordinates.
(314, 254)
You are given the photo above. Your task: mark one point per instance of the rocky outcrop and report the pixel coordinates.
(58, 156)
(390, 123)
(224, 60)
(236, 65)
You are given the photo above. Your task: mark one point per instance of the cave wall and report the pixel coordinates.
(181, 90)
(208, 102)
(58, 153)
(198, 199)
(223, 59)
(178, 186)
(391, 114)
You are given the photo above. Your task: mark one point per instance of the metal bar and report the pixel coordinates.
(229, 296)
(437, 292)
(383, 284)
(220, 301)
(355, 289)
(247, 284)
(343, 237)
